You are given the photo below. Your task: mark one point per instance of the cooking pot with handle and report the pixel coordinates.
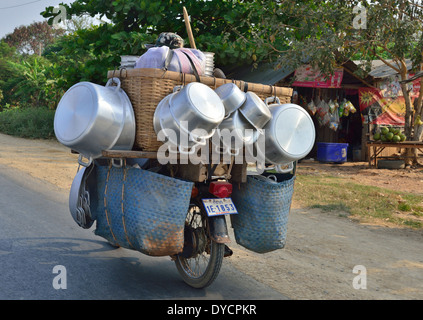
(91, 118)
(289, 135)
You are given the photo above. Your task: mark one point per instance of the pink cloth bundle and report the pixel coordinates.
(155, 58)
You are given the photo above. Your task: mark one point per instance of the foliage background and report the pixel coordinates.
(240, 33)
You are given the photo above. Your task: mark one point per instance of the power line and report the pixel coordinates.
(20, 5)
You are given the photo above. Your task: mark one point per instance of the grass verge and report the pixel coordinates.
(366, 203)
(33, 123)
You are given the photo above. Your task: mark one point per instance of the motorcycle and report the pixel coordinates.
(205, 231)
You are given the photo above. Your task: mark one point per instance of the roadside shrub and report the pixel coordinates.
(34, 123)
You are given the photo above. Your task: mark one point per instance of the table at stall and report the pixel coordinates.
(378, 147)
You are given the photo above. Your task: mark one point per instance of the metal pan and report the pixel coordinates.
(177, 135)
(235, 132)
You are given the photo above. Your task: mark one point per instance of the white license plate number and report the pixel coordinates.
(219, 206)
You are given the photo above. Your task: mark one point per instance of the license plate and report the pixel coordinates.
(219, 206)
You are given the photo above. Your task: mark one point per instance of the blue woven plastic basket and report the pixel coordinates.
(142, 210)
(263, 209)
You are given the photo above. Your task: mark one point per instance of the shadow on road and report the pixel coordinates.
(94, 269)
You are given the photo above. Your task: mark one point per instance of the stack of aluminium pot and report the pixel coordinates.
(200, 112)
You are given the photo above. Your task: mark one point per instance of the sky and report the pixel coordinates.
(16, 13)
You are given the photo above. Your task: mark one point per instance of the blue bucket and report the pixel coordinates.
(332, 152)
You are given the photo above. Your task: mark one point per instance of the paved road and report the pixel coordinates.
(37, 235)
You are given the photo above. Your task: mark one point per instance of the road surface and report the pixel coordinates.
(45, 255)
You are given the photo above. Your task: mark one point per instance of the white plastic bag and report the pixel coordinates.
(312, 107)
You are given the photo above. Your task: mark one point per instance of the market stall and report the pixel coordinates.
(333, 103)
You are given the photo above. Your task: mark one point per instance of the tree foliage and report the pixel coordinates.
(225, 27)
(31, 84)
(33, 38)
(325, 33)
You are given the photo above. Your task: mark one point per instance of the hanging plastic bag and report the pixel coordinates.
(326, 119)
(336, 105)
(334, 121)
(341, 108)
(352, 109)
(346, 111)
(333, 126)
(322, 113)
(322, 108)
(332, 106)
(312, 107)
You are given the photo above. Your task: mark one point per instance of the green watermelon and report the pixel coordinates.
(396, 138)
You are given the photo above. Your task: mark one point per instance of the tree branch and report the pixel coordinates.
(388, 63)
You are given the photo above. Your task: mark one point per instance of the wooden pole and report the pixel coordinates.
(189, 31)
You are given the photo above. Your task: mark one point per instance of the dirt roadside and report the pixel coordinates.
(322, 249)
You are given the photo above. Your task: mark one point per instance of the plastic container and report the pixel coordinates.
(356, 154)
(332, 152)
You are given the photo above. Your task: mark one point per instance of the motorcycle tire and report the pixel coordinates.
(202, 268)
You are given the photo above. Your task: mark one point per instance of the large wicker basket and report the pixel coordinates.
(147, 87)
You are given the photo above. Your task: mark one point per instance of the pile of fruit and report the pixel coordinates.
(389, 134)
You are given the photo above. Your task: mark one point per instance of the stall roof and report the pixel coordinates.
(269, 75)
(380, 70)
(264, 74)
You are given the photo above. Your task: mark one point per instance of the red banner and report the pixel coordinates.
(307, 76)
(380, 109)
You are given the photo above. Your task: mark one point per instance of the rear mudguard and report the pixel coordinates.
(218, 229)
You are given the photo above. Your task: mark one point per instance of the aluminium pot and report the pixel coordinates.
(198, 106)
(177, 134)
(289, 135)
(235, 132)
(231, 96)
(255, 111)
(91, 118)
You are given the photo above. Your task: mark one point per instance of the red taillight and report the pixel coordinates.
(194, 192)
(220, 189)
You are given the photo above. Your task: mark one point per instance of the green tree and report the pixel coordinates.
(32, 39)
(7, 54)
(225, 27)
(32, 84)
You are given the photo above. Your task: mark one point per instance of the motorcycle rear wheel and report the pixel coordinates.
(203, 265)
